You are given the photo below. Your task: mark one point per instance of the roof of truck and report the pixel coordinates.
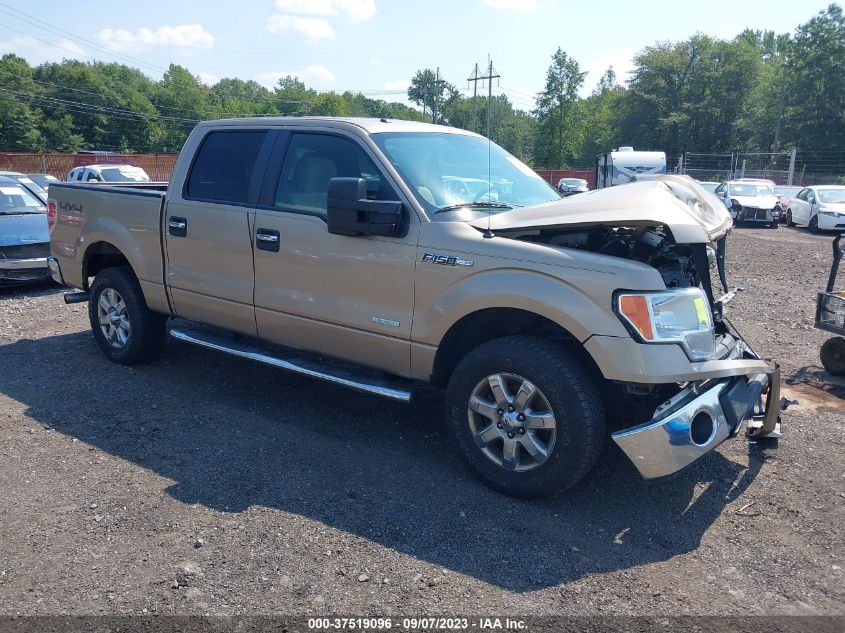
(369, 125)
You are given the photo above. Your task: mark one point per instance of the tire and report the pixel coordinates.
(833, 355)
(572, 437)
(126, 330)
(789, 221)
(775, 224)
(814, 224)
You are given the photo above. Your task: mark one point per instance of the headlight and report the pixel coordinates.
(832, 214)
(672, 316)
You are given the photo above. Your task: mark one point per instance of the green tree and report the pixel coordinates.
(431, 93)
(19, 115)
(558, 112)
(814, 116)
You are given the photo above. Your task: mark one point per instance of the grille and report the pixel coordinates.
(831, 310)
(755, 214)
(24, 251)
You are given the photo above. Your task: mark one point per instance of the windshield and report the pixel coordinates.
(831, 196)
(749, 189)
(14, 199)
(122, 174)
(787, 191)
(449, 171)
(573, 182)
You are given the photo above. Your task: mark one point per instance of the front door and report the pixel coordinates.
(208, 230)
(347, 297)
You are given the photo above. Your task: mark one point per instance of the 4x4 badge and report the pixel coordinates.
(446, 260)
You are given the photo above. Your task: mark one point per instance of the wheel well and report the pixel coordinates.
(99, 256)
(485, 325)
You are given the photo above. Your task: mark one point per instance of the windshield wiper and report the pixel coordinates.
(475, 205)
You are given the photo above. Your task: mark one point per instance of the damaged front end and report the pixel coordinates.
(669, 407)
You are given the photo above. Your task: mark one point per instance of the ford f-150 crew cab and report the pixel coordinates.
(365, 253)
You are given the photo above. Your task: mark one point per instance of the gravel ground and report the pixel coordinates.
(206, 484)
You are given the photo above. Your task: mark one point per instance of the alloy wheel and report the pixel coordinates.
(511, 422)
(113, 318)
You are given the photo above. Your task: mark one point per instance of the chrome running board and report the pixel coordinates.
(303, 367)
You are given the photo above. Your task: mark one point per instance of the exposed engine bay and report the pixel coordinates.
(649, 245)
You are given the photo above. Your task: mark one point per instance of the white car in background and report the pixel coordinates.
(108, 173)
(750, 201)
(820, 208)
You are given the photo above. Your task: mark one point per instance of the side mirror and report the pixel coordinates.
(350, 213)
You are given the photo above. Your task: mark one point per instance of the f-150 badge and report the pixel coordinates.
(446, 260)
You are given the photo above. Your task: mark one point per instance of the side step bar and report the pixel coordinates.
(299, 366)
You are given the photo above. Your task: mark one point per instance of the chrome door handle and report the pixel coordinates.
(176, 225)
(264, 237)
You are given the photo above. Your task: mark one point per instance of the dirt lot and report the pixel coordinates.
(205, 484)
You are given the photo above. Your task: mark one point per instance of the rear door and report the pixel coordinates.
(208, 229)
(347, 297)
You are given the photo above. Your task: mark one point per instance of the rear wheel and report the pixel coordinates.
(525, 416)
(814, 224)
(833, 355)
(126, 330)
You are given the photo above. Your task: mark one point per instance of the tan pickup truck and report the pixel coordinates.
(382, 254)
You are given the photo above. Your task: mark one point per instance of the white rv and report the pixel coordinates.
(623, 165)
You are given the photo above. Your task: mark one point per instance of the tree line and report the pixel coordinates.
(760, 91)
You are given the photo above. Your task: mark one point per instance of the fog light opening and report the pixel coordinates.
(702, 428)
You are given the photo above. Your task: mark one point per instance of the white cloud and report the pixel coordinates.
(520, 6)
(36, 52)
(399, 84)
(311, 17)
(185, 36)
(314, 75)
(315, 28)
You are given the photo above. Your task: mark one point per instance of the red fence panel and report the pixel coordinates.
(158, 166)
(552, 176)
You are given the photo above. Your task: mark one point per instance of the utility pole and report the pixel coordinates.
(489, 77)
(474, 79)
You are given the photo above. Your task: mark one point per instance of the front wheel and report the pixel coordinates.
(814, 224)
(789, 221)
(525, 416)
(126, 330)
(833, 355)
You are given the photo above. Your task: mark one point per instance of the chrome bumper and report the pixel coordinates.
(55, 270)
(698, 419)
(23, 264)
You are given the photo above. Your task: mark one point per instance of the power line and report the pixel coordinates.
(39, 23)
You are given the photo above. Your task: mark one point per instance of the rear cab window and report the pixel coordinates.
(224, 167)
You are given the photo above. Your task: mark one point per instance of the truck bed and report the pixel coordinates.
(95, 218)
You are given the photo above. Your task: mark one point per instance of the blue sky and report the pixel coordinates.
(375, 45)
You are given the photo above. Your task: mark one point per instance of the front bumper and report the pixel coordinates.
(752, 214)
(699, 418)
(830, 222)
(19, 271)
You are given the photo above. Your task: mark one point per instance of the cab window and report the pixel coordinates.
(224, 165)
(314, 159)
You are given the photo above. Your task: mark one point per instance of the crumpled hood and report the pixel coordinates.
(28, 228)
(757, 202)
(692, 214)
